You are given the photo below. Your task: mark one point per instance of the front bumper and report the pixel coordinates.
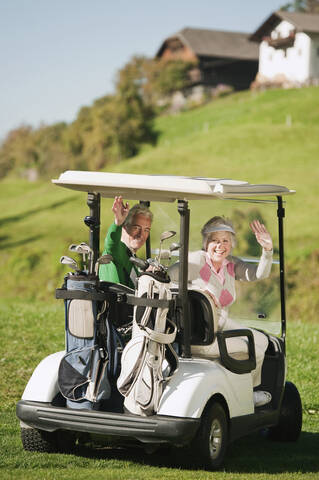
(153, 429)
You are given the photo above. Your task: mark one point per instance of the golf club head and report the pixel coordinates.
(103, 260)
(153, 262)
(140, 263)
(164, 236)
(167, 234)
(87, 247)
(175, 246)
(65, 260)
(165, 254)
(82, 248)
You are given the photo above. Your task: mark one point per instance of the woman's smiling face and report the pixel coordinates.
(219, 246)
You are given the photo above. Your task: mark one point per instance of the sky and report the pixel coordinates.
(59, 55)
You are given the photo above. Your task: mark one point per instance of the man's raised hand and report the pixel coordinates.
(120, 210)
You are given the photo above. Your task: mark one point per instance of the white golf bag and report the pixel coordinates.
(144, 368)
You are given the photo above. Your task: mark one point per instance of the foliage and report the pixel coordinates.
(170, 75)
(41, 150)
(133, 115)
(305, 6)
(91, 137)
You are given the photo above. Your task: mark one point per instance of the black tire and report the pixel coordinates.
(34, 440)
(211, 440)
(38, 440)
(65, 441)
(290, 420)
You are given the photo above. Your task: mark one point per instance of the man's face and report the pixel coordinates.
(138, 232)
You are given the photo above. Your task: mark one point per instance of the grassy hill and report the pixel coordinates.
(266, 137)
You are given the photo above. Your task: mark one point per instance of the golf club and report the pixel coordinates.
(78, 249)
(89, 251)
(65, 260)
(140, 263)
(103, 260)
(164, 236)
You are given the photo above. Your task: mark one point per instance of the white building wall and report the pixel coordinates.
(293, 62)
(314, 58)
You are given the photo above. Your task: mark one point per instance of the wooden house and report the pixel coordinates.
(288, 48)
(227, 58)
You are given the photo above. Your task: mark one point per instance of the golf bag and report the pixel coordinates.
(143, 359)
(92, 348)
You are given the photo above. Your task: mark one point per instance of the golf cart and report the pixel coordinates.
(205, 403)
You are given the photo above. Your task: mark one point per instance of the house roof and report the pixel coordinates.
(304, 22)
(215, 43)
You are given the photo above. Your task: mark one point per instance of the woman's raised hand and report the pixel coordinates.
(263, 237)
(120, 210)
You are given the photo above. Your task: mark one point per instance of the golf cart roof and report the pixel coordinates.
(164, 188)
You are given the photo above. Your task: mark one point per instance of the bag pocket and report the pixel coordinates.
(83, 375)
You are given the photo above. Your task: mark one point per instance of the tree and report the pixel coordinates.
(133, 114)
(306, 6)
(17, 150)
(171, 75)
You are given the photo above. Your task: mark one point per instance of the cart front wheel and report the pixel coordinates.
(212, 438)
(34, 440)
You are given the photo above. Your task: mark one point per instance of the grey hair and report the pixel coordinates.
(137, 209)
(216, 222)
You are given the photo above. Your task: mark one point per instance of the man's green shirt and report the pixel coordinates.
(121, 270)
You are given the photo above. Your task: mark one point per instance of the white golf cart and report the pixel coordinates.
(207, 402)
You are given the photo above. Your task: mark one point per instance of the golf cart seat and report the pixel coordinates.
(203, 320)
(233, 348)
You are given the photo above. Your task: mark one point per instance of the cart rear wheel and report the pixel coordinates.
(212, 438)
(290, 419)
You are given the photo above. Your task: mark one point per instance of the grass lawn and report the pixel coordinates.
(30, 331)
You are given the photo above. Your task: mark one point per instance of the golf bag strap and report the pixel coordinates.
(158, 337)
(148, 302)
(63, 293)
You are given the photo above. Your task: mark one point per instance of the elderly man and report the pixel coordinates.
(124, 238)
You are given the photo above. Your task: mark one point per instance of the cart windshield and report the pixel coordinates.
(257, 303)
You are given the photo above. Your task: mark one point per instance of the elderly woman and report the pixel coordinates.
(214, 270)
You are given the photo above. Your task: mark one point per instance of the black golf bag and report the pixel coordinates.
(91, 363)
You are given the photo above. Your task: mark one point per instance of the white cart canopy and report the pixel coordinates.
(164, 188)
